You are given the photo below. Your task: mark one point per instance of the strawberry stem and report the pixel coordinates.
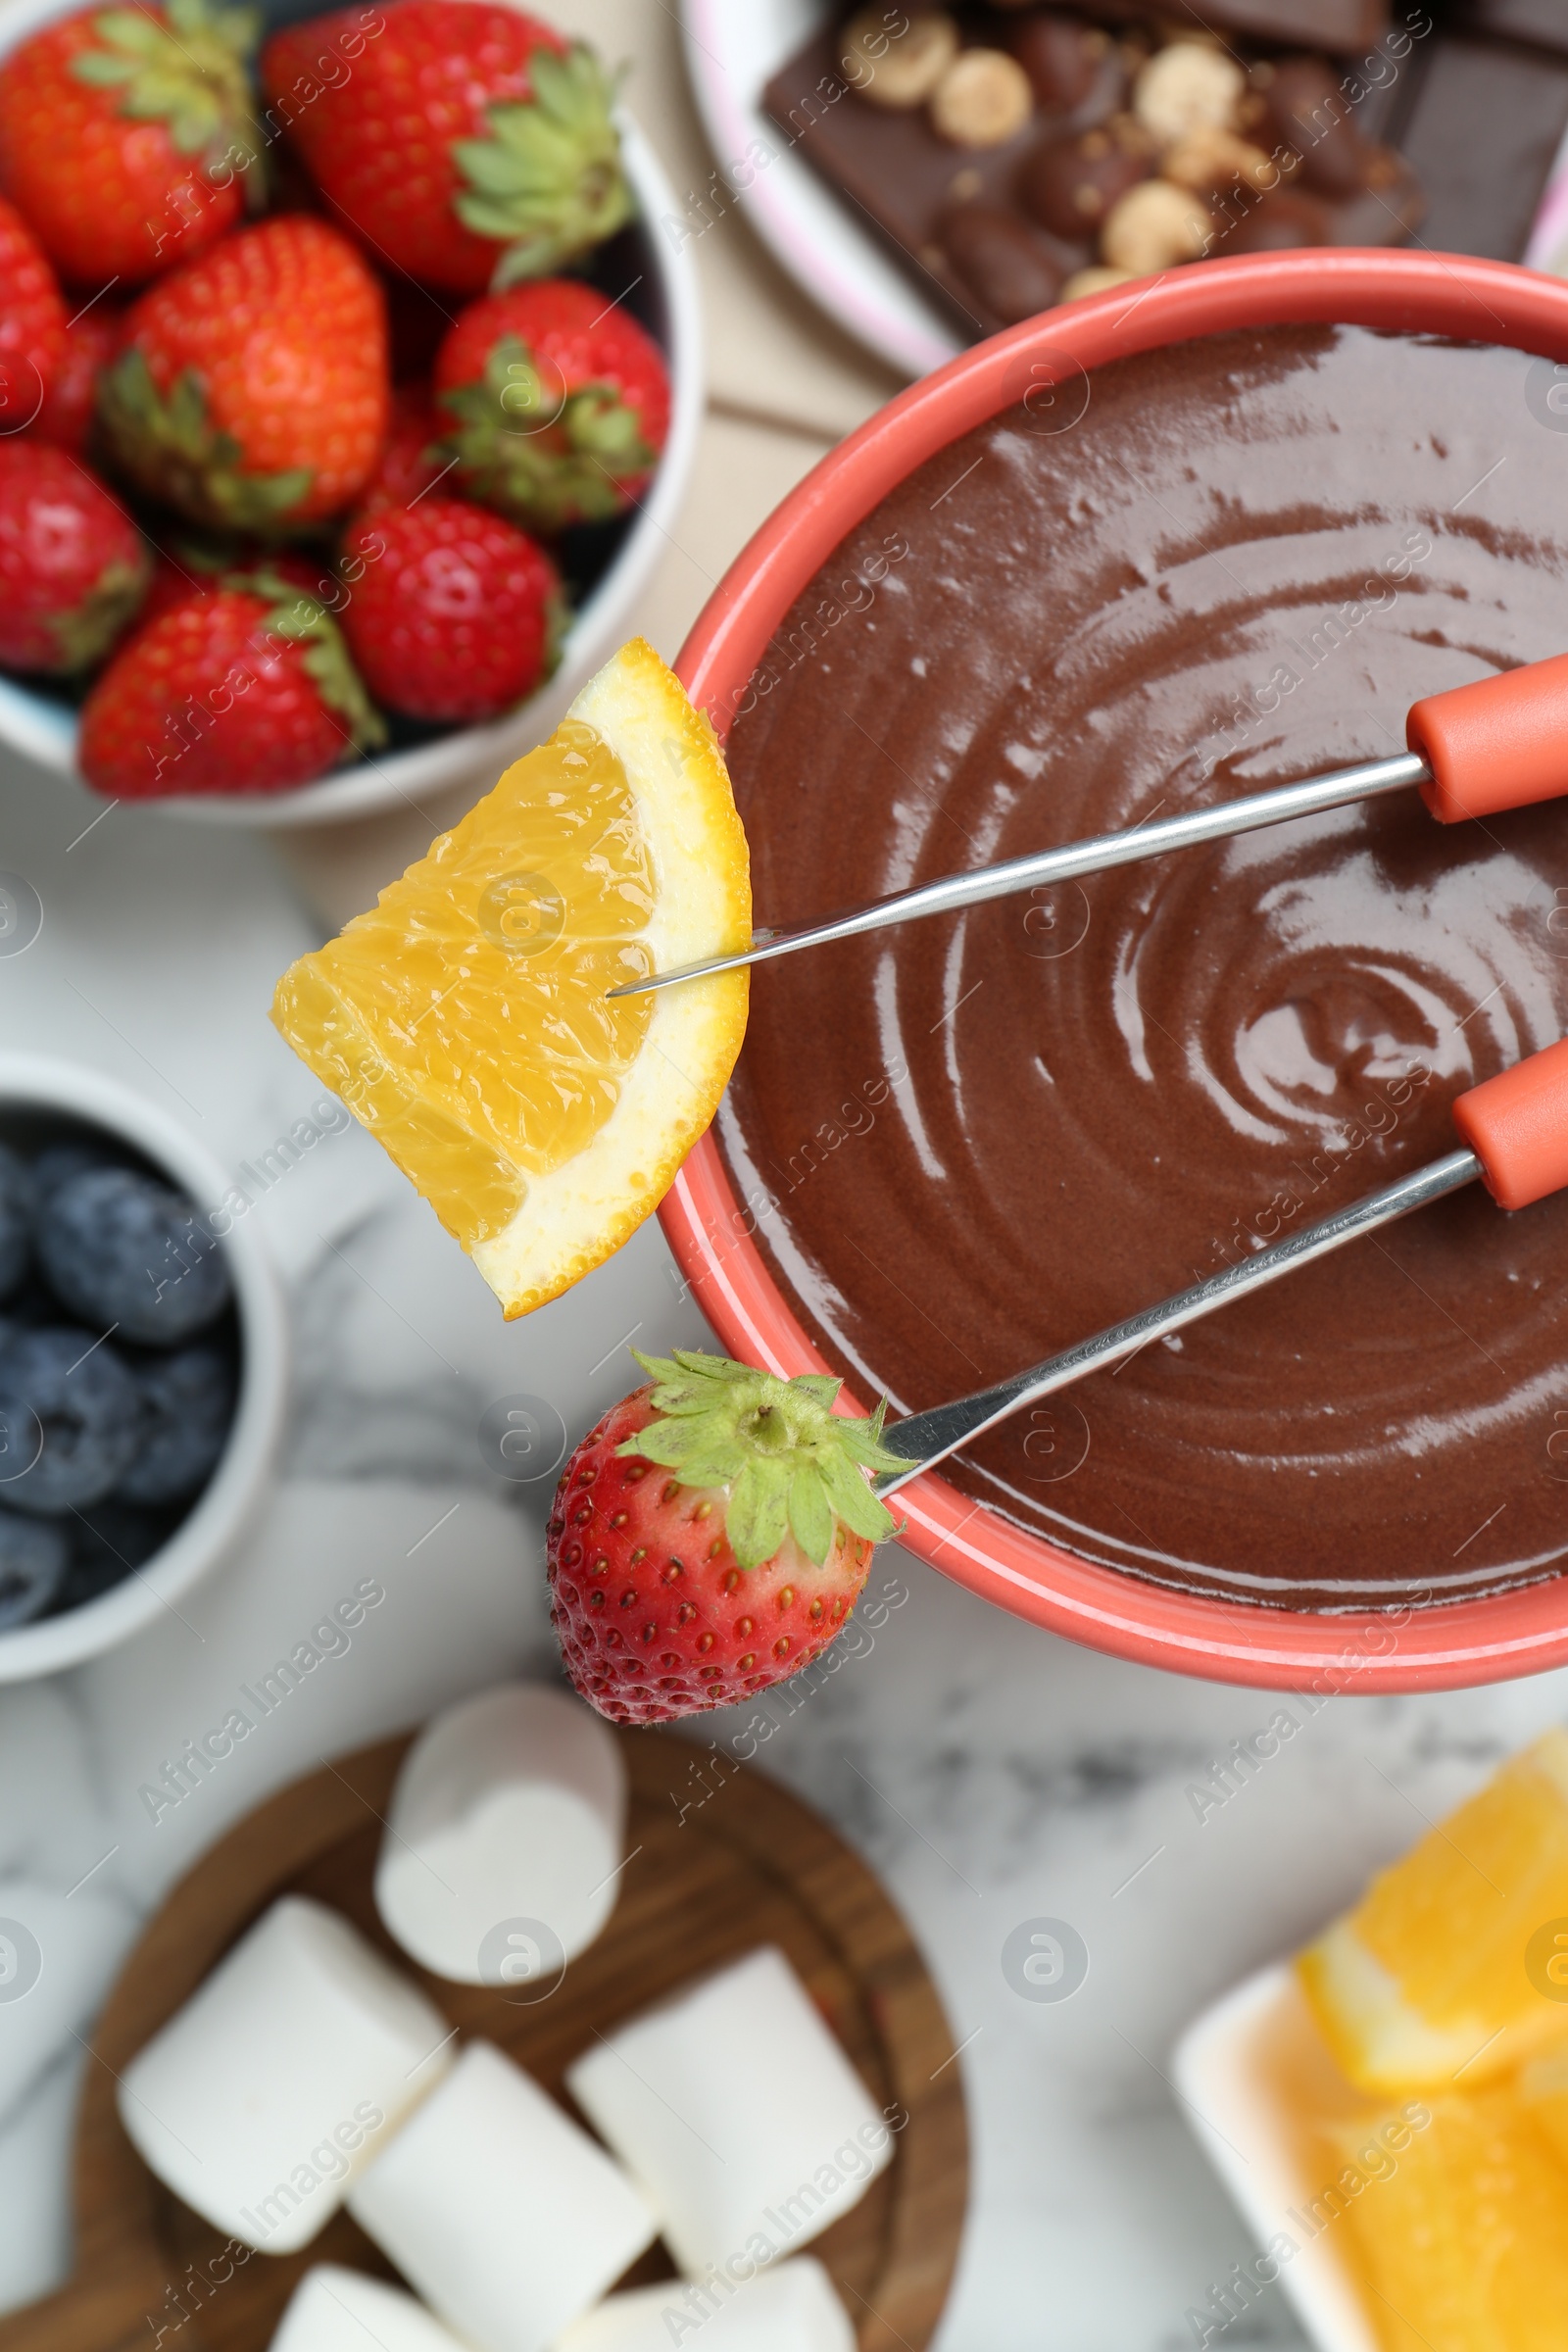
(788, 1463)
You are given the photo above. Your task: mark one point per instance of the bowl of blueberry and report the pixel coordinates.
(142, 1366)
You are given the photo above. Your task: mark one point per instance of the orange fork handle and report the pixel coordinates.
(1500, 743)
(1517, 1126)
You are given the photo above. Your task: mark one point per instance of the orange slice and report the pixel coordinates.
(465, 1020)
(1436, 1974)
(1462, 2242)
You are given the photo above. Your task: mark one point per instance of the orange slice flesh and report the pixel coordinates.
(1462, 2246)
(1427, 1980)
(464, 1019)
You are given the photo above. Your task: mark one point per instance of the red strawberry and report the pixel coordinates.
(33, 324)
(73, 567)
(470, 144)
(412, 462)
(560, 402)
(65, 417)
(126, 135)
(710, 1537)
(245, 687)
(453, 614)
(252, 391)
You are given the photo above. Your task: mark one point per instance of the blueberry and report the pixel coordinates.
(80, 1398)
(107, 1542)
(19, 1202)
(121, 1250)
(190, 1403)
(59, 1162)
(33, 1561)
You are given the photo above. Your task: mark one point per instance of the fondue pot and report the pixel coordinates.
(1045, 363)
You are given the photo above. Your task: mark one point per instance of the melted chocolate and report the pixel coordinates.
(974, 1140)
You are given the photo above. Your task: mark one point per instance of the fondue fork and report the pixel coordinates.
(1515, 1133)
(1500, 743)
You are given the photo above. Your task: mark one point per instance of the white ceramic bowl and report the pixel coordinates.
(1248, 2071)
(222, 1511)
(44, 731)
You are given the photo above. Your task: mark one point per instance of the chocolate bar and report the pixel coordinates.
(1018, 158)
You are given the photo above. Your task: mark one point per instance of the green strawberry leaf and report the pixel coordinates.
(542, 459)
(303, 619)
(810, 1514)
(547, 182)
(787, 1463)
(758, 1515)
(190, 70)
(86, 634)
(170, 448)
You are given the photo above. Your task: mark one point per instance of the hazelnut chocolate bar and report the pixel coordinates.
(1018, 159)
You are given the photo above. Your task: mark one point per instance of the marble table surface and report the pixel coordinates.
(991, 1773)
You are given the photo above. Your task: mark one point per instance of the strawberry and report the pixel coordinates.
(73, 567)
(65, 417)
(126, 135)
(252, 390)
(469, 145)
(33, 324)
(243, 687)
(710, 1537)
(453, 614)
(412, 462)
(560, 404)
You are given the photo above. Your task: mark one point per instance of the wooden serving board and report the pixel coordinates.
(744, 1864)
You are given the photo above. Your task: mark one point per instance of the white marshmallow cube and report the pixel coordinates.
(737, 2112)
(333, 2310)
(503, 2213)
(508, 1819)
(283, 2077)
(790, 2307)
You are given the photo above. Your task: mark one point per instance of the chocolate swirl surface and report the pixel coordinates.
(966, 1142)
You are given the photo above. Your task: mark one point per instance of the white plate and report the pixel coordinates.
(1248, 2071)
(733, 49)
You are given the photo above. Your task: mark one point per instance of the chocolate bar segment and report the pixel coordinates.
(1107, 158)
(1482, 128)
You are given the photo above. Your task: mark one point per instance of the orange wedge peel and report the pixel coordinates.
(1428, 1982)
(464, 1019)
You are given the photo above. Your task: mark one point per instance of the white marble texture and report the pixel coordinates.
(992, 1774)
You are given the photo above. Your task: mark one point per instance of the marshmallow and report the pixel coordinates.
(737, 2112)
(503, 2214)
(281, 2076)
(503, 1843)
(791, 2307)
(333, 2310)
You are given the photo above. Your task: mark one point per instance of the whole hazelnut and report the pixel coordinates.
(1153, 227)
(1307, 111)
(1000, 262)
(1188, 86)
(898, 71)
(983, 99)
(1098, 280)
(1070, 184)
(1208, 161)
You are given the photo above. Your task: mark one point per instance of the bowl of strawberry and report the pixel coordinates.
(347, 395)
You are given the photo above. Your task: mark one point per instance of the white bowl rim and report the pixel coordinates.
(223, 1510)
(47, 735)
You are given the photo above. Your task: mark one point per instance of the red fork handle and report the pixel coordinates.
(1497, 744)
(1517, 1126)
